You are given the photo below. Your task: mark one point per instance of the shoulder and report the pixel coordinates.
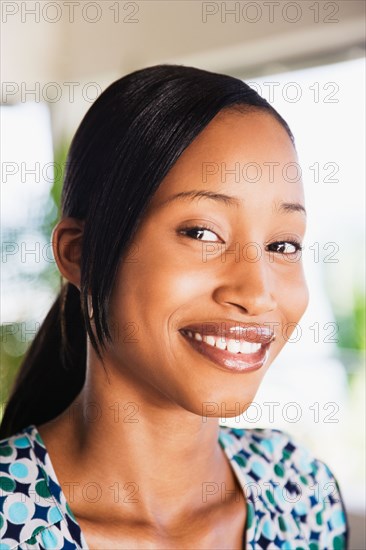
(28, 509)
(277, 447)
(287, 478)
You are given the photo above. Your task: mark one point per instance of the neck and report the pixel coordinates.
(134, 453)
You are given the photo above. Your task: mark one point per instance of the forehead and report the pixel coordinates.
(235, 148)
(257, 134)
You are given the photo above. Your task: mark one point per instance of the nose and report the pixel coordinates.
(247, 286)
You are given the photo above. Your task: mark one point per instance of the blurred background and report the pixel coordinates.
(308, 59)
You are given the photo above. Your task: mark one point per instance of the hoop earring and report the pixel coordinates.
(91, 314)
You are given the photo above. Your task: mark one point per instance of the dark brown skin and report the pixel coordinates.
(161, 442)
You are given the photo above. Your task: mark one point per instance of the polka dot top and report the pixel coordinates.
(293, 499)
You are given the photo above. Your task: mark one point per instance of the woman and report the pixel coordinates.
(181, 271)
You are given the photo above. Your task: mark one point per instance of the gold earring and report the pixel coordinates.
(91, 314)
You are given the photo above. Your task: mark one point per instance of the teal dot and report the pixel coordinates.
(18, 512)
(282, 523)
(286, 545)
(4, 546)
(49, 539)
(250, 514)
(286, 454)
(268, 530)
(42, 489)
(269, 496)
(35, 532)
(22, 442)
(5, 450)
(254, 448)
(7, 484)
(339, 543)
(240, 460)
(279, 470)
(258, 469)
(18, 470)
(279, 496)
(44, 474)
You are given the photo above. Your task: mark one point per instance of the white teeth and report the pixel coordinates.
(249, 347)
(221, 343)
(245, 347)
(209, 340)
(233, 346)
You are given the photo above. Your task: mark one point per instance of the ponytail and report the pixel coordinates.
(53, 369)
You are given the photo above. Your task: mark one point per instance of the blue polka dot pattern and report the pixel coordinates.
(34, 513)
(293, 499)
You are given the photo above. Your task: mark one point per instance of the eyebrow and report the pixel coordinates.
(227, 200)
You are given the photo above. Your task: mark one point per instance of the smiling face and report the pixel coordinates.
(209, 264)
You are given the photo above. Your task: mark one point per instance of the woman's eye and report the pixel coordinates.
(200, 233)
(284, 247)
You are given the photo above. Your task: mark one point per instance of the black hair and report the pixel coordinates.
(126, 143)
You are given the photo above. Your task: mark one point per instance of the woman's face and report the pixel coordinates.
(223, 267)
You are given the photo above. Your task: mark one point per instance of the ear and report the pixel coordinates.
(67, 246)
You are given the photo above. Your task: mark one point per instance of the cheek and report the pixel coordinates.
(293, 300)
(149, 292)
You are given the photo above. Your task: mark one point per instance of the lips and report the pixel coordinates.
(231, 345)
